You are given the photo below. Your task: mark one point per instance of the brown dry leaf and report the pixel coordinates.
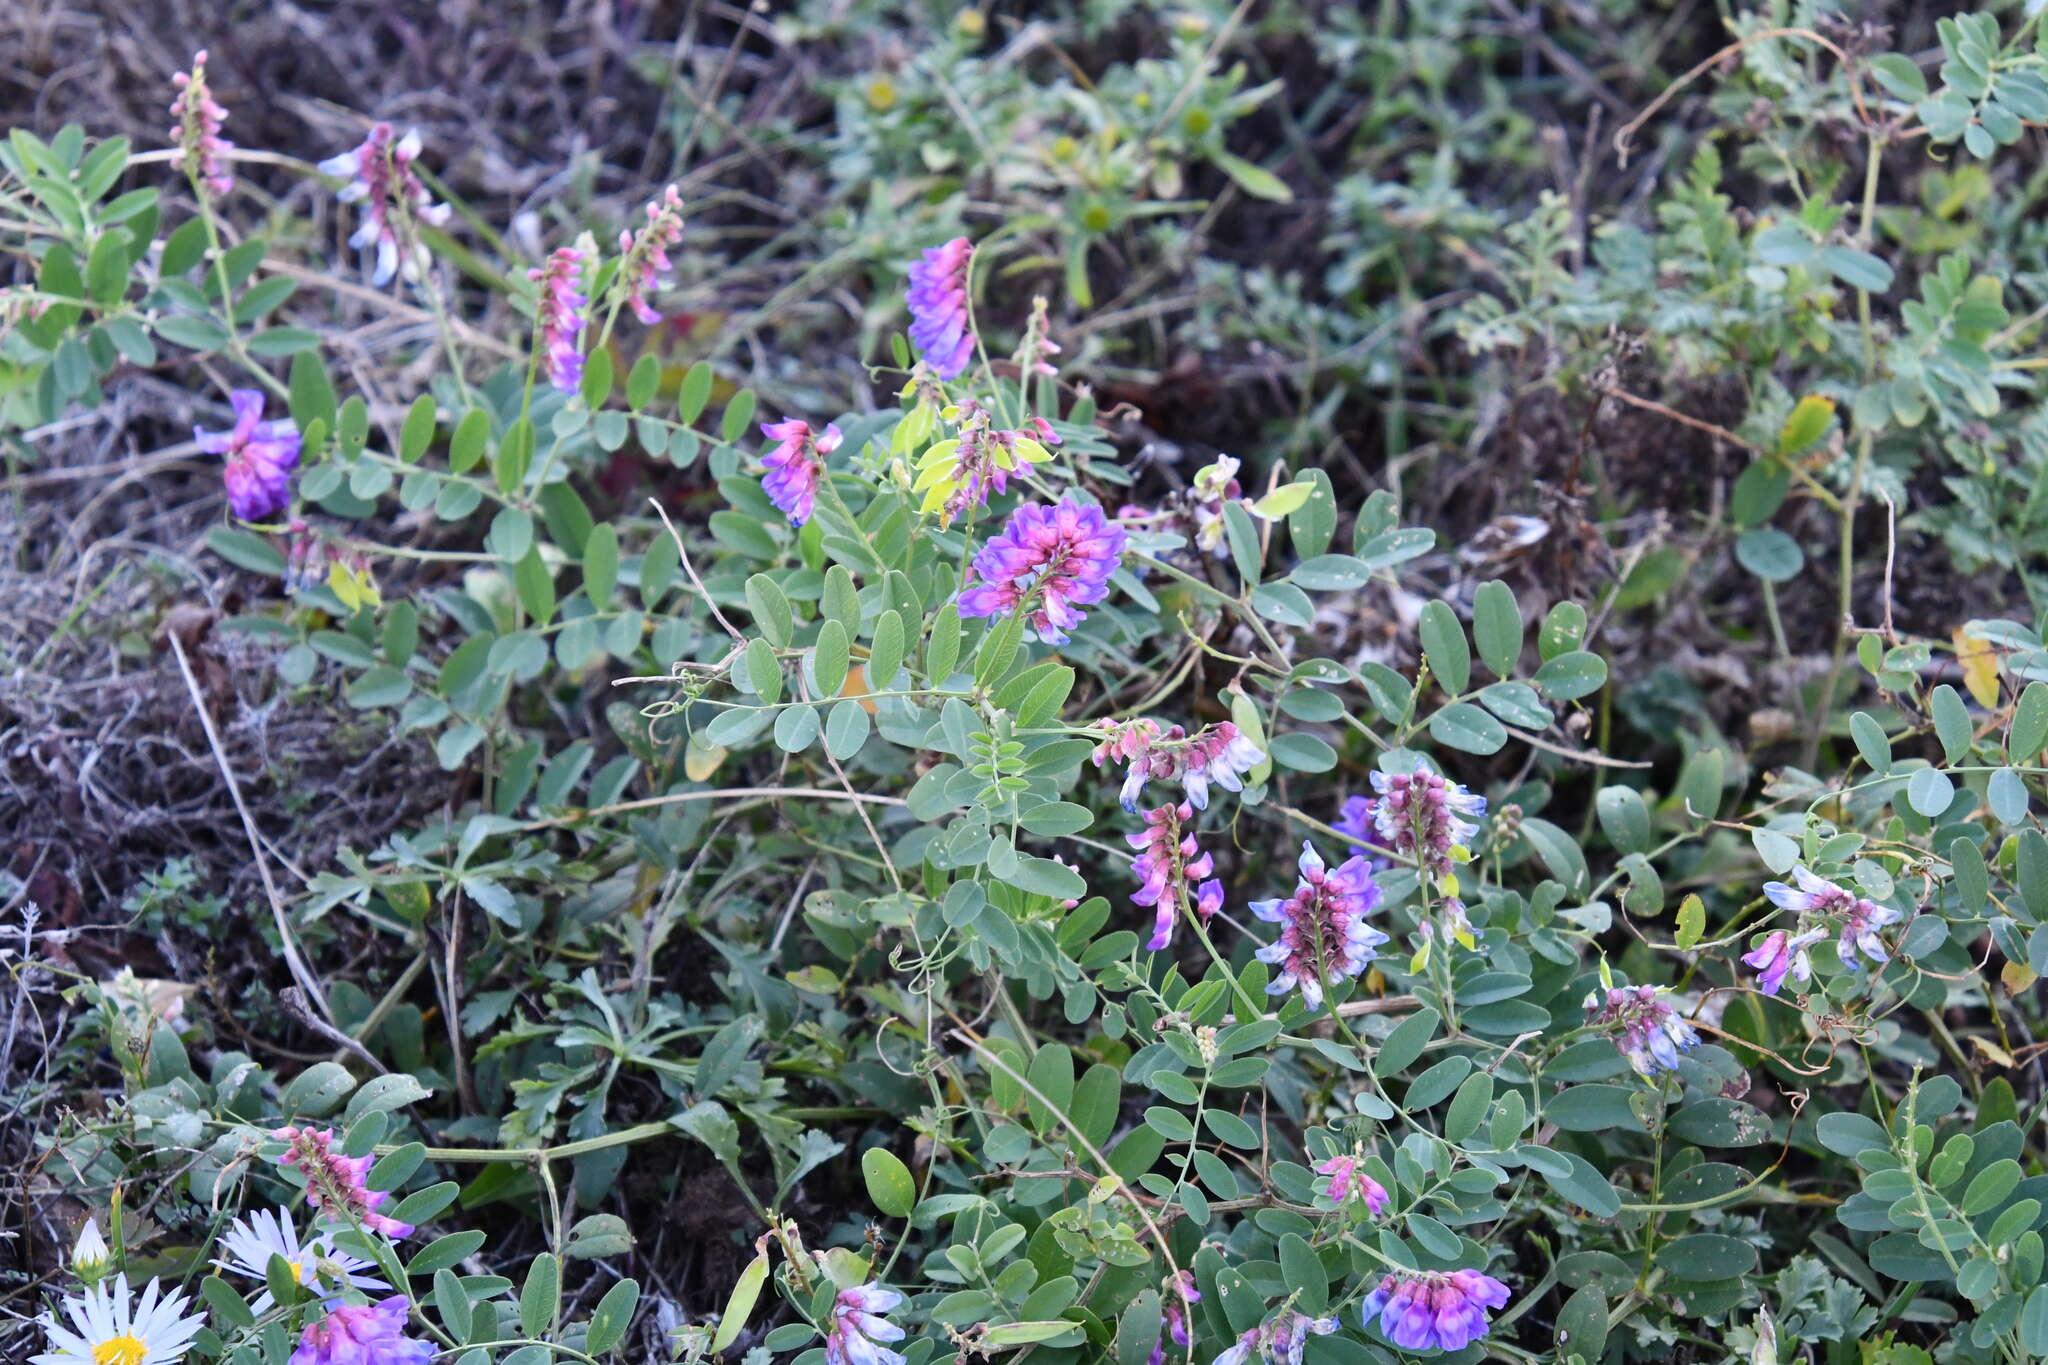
(856, 686)
(1980, 667)
(1992, 1052)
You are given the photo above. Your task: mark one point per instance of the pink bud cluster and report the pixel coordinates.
(1323, 933)
(1219, 754)
(1646, 1030)
(197, 133)
(334, 1183)
(1171, 865)
(645, 253)
(796, 466)
(559, 317)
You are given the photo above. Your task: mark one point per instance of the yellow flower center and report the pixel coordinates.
(298, 1272)
(126, 1350)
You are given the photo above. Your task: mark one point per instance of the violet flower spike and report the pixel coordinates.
(1434, 1310)
(939, 325)
(335, 1183)
(363, 1334)
(646, 264)
(559, 320)
(1169, 865)
(858, 1325)
(1176, 1293)
(202, 150)
(380, 175)
(1782, 954)
(1046, 562)
(1219, 754)
(1425, 816)
(1279, 1341)
(796, 466)
(1323, 928)
(1859, 918)
(261, 457)
(1646, 1030)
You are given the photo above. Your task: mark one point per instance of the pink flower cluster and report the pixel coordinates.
(646, 261)
(1169, 865)
(1857, 918)
(1218, 754)
(261, 457)
(1434, 1310)
(986, 457)
(197, 133)
(1646, 1030)
(363, 1334)
(1423, 815)
(938, 308)
(559, 318)
(1322, 927)
(858, 1325)
(334, 1183)
(1348, 1178)
(381, 176)
(795, 466)
(1047, 562)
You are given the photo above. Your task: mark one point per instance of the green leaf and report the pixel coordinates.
(829, 658)
(1044, 877)
(1900, 75)
(1929, 791)
(1405, 1043)
(452, 1301)
(1871, 742)
(1574, 1178)
(1857, 269)
(890, 1187)
(312, 392)
(1582, 1325)
(764, 674)
(613, 1315)
(885, 654)
(1497, 627)
(1137, 1328)
(695, 393)
(444, 1252)
(739, 1305)
(1770, 554)
(541, 1297)
(466, 445)
(1465, 727)
(246, 550)
(1951, 723)
(1692, 922)
(1443, 644)
(601, 565)
(642, 381)
(2029, 732)
(773, 616)
(1256, 181)
(1707, 1256)
(1623, 818)
(535, 586)
(846, 729)
(418, 432)
(738, 412)
(1571, 675)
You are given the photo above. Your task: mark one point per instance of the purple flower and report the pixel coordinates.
(1046, 562)
(197, 133)
(380, 174)
(1279, 1341)
(1348, 1177)
(363, 1334)
(1424, 815)
(646, 254)
(795, 466)
(1323, 928)
(1781, 954)
(1646, 1030)
(1354, 822)
(1859, 917)
(961, 474)
(938, 308)
(1176, 1292)
(559, 317)
(1434, 1310)
(857, 1324)
(1219, 754)
(261, 457)
(1169, 863)
(334, 1183)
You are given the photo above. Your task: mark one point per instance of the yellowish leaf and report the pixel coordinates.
(1980, 667)
(700, 760)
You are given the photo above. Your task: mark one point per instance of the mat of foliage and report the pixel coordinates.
(859, 681)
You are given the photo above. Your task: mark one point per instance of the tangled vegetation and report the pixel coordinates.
(1283, 683)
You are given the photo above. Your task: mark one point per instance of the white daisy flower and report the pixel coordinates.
(112, 1331)
(249, 1242)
